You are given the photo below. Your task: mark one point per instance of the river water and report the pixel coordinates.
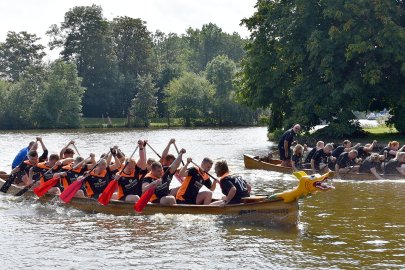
(359, 225)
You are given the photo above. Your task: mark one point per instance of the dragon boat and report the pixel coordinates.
(274, 165)
(279, 208)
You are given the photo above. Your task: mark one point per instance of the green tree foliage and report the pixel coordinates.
(60, 103)
(143, 106)
(86, 39)
(190, 97)
(319, 60)
(170, 51)
(133, 45)
(18, 53)
(209, 42)
(220, 72)
(47, 97)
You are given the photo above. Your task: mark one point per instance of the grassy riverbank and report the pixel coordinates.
(122, 122)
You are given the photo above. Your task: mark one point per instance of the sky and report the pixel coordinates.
(35, 16)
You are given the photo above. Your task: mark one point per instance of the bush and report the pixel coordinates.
(398, 119)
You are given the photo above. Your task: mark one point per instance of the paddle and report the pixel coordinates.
(77, 151)
(67, 195)
(154, 150)
(176, 175)
(106, 195)
(177, 150)
(43, 189)
(8, 183)
(26, 188)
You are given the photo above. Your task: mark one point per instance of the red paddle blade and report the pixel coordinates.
(105, 197)
(43, 189)
(143, 200)
(70, 191)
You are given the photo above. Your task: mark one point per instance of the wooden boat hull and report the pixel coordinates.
(252, 163)
(264, 211)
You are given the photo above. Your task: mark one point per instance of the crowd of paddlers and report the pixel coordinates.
(114, 176)
(341, 159)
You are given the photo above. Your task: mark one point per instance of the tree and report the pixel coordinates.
(209, 42)
(169, 51)
(86, 39)
(319, 60)
(22, 98)
(190, 97)
(18, 53)
(143, 106)
(133, 48)
(220, 72)
(60, 105)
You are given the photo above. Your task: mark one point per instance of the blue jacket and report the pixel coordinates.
(20, 157)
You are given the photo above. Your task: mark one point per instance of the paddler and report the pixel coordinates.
(160, 177)
(194, 179)
(284, 145)
(233, 186)
(46, 170)
(71, 172)
(130, 180)
(99, 178)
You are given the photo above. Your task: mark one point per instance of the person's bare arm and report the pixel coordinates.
(166, 150)
(142, 155)
(184, 171)
(375, 173)
(177, 161)
(286, 148)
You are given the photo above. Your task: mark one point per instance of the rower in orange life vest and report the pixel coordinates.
(46, 170)
(71, 172)
(67, 152)
(130, 180)
(166, 160)
(161, 180)
(195, 178)
(99, 178)
(23, 171)
(233, 186)
(25, 166)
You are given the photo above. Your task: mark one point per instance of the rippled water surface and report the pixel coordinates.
(360, 225)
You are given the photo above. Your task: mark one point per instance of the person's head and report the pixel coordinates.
(157, 169)
(131, 164)
(102, 165)
(298, 149)
(68, 153)
(347, 143)
(353, 154)
(53, 158)
(169, 160)
(367, 148)
(328, 148)
(394, 145)
(375, 157)
(296, 128)
(149, 164)
(33, 156)
(77, 160)
(221, 168)
(401, 157)
(31, 144)
(320, 145)
(206, 164)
